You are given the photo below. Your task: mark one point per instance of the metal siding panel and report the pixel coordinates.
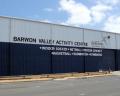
(60, 64)
(104, 63)
(118, 59)
(77, 64)
(108, 60)
(28, 59)
(93, 63)
(21, 28)
(67, 33)
(4, 59)
(4, 29)
(91, 37)
(109, 43)
(65, 64)
(118, 41)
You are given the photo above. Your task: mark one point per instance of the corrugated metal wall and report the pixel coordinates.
(4, 59)
(65, 64)
(118, 60)
(108, 60)
(27, 59)
(93, 63)
(20, 58)
(4, 46)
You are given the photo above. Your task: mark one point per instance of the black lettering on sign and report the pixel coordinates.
(46, 41)
(80, 44)
(61, 42)
(49, 41)
(24, 39)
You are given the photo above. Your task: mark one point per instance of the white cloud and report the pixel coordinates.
(113, 24)
(99, 12)
(48, 9)
(78, 13)
(109, 2)
(46, 20)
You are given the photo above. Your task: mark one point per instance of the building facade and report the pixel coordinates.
(33, 47)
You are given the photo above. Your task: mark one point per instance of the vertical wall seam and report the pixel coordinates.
(9, 49)
(51, 62)
(116, 41)
(84, 56)
(116, 53)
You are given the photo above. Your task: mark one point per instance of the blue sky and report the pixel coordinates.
(93, 14)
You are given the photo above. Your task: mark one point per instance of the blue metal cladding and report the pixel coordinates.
(77, 64)
(4, 59)
(93, 63)
(118, 59)
(65, 64)
(97, 63)
(24, 59)
(28, 59)
(24, 55)
(108, 60)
